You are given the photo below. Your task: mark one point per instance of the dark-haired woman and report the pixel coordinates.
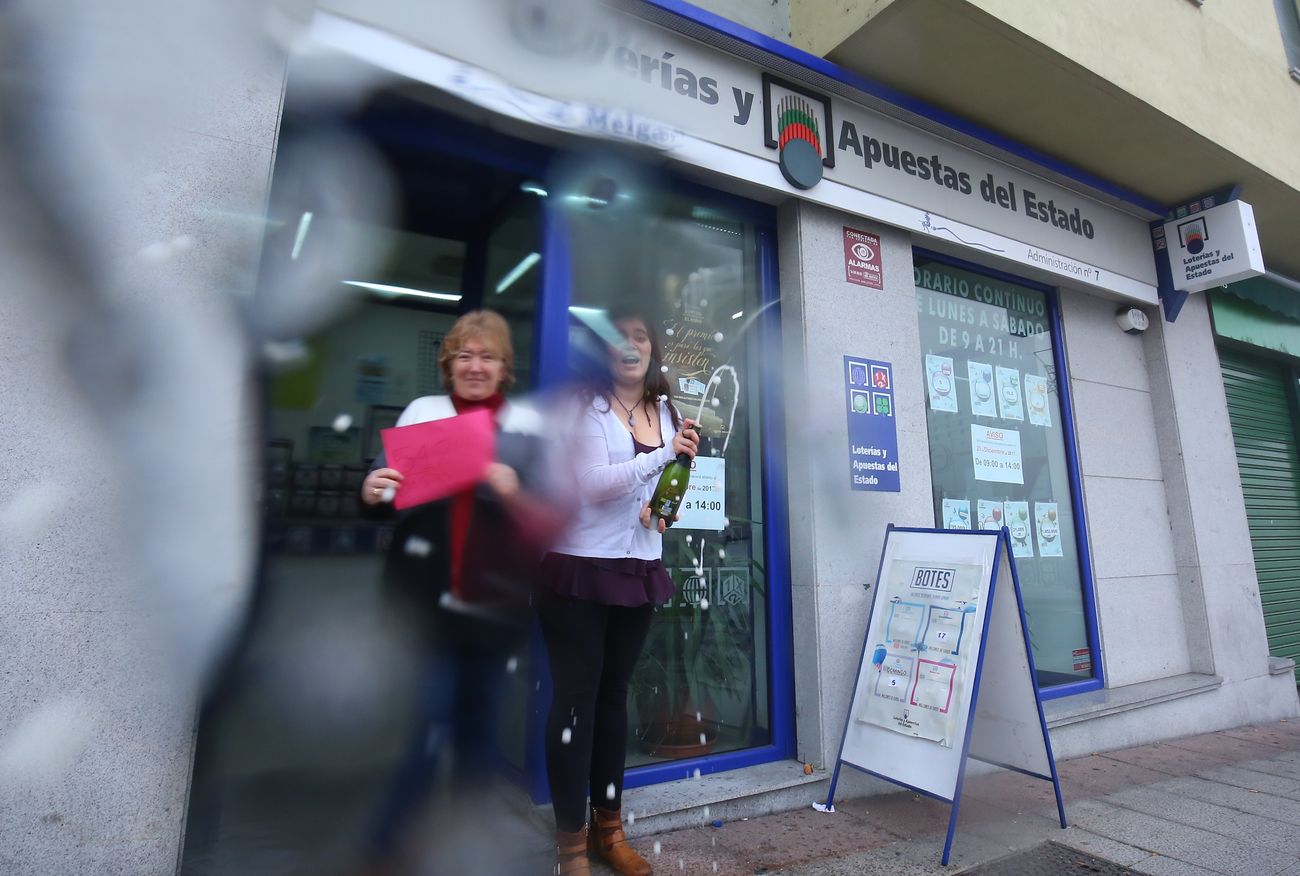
(600, 586)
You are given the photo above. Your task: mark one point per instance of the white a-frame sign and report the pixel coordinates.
(946, 671)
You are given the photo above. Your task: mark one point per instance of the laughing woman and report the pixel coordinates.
(599, 589)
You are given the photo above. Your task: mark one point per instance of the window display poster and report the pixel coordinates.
(995, 454)
(942, 383)
(1048, 527)
(956, 514)
(982, 403)
(990, 514)
(919, 631)
(873, 431)
(1017, 514)
(1010, 400)
(1036, 399)
(705, 504)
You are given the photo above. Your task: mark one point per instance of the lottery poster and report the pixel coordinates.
(941, 382)
(1017, 515)
(1010, 399)
(989, 514)
(1048, 525)
(921, 651)
(982, 402)
(956, 514)
(1036, 399)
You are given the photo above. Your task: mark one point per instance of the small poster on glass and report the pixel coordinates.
(1049, 529)
(956, 513)
(989, 514)
(1010, 400)
(1036, 399)
(942, 383)
(1017, 515)
(982, 403)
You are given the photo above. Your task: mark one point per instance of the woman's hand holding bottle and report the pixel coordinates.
(687, 439)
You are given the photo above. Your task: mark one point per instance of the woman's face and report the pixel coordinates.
(476, 370)
(630, 362)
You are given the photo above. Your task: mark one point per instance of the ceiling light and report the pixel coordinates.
(393, 291)
(518, 271)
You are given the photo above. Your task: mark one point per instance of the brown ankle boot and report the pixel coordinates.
(571, 853)
(608, 841)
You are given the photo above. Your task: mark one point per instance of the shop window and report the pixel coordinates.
(998, 445)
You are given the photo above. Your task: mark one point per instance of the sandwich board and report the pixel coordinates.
(947, 671)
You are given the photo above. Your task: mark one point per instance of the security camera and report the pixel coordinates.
(1132, 320)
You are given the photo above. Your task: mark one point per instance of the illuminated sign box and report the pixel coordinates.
(1213, 247)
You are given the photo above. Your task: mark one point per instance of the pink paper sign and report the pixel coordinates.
(440, 457)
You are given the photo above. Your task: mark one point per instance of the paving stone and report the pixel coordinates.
(1250, 779)
(1268, 805)
(1223, 745)
(1274, 766)
(795, 838)
(1167, 759)
(1279, 835)
(1100, 774)
(1215, 851)
(906, 815)
(1049, 858)
(1101, 846)
(1159, 865)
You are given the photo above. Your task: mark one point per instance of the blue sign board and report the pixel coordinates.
(873, 431)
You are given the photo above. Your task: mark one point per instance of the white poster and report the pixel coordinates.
(705, 504)
(1017, 514)
(1049, 529)
(956, 514)
(990, 514)
(995, 454)
(922, 676)
(982, 403)
(942, 383)
(1036, 399)
(1010, 401)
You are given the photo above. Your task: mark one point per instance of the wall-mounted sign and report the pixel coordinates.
(862, 258)
(617, 76)
(873, 431)
(1213, 247)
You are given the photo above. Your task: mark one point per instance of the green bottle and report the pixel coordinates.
(667, 498)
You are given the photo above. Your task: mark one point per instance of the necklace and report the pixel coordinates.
(631, 416)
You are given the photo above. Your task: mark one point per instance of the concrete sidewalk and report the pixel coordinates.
(1225, 802)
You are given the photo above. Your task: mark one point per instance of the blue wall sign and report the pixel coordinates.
(873, 431)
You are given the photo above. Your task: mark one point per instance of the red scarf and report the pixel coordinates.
(462, 504)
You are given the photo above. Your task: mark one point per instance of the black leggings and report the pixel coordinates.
(593, 649)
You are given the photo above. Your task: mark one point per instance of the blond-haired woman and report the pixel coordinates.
(467, 564)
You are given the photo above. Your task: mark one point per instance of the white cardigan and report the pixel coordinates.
(614, 484)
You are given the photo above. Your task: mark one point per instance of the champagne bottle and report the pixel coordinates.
(667, 498)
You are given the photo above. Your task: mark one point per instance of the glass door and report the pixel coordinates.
(692, 262)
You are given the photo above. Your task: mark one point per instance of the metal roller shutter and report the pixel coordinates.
(1264, 433)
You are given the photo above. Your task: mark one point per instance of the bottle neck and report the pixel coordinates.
(684, 459)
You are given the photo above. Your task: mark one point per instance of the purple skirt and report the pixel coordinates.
(624, 581)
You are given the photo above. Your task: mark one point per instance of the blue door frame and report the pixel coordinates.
(454, 136)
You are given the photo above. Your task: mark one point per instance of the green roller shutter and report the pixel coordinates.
(1264, 433)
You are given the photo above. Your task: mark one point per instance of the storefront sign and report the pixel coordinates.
(705, 504)
(873, 431)
(862, 259)
(1213, 247)
(611, 74)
